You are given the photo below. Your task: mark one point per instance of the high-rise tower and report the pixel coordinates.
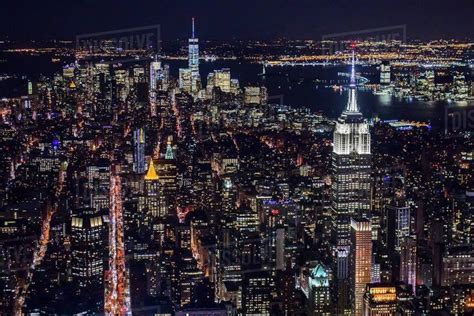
(88, 231)
(351, 164)
(139, 150)
(98, 184)
(189, 78)
(155, 77)
(408, 261)
(360, 261)
(166, 168)
(193, 52)
(155, 73)
(350, 186)
(153, 200)
(319, 298)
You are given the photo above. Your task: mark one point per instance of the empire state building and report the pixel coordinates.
(350, 190)
(351, 167)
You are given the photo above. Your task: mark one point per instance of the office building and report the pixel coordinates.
(139, 150)
(408, 261)
(257, 292)
(88, 248)
(380, 300)
(319, 294)
(361, 261)
(351, 164)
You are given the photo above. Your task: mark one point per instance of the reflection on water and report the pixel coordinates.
(385, 100)
(306, 87)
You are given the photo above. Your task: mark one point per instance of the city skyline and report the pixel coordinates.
(237, 177)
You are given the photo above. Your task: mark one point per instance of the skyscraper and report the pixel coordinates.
(98, 184)
(193, 62)
(185, 79)
(139, 150)
(229, 195)
(256, 292)
(189, 78)
(88, 232)
(167, 170)
(361, 261)
(397, 222)
(155, 76)
(220, 78)
(385, 73)
(380, 300)
(343, 281)
(408, 261)
(457, 265)
(350, 185)
(351, 163)
(193, 52)
(320, 300)
(153, 200)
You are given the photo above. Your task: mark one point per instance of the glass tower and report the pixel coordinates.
(193, 57)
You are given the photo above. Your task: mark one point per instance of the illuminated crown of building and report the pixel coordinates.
(151, 173)
(352, 131)
(169, 155)
(319, 277)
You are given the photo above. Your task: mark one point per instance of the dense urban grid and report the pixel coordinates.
(127, 190)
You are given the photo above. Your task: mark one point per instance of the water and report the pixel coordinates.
(24, 67)
(300, 86)
(307, 86)
(304, 86)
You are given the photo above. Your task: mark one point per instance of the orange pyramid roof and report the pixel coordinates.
(151, 173)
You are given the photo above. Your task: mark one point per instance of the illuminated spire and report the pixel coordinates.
(151, 173)
(193, 52)
(353, 78)
(352, 102)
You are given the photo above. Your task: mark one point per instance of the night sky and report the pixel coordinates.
(246, 19)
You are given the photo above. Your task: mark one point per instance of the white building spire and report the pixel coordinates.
(353, 80)
(352, 101)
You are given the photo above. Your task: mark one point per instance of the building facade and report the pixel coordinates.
(361, 261)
